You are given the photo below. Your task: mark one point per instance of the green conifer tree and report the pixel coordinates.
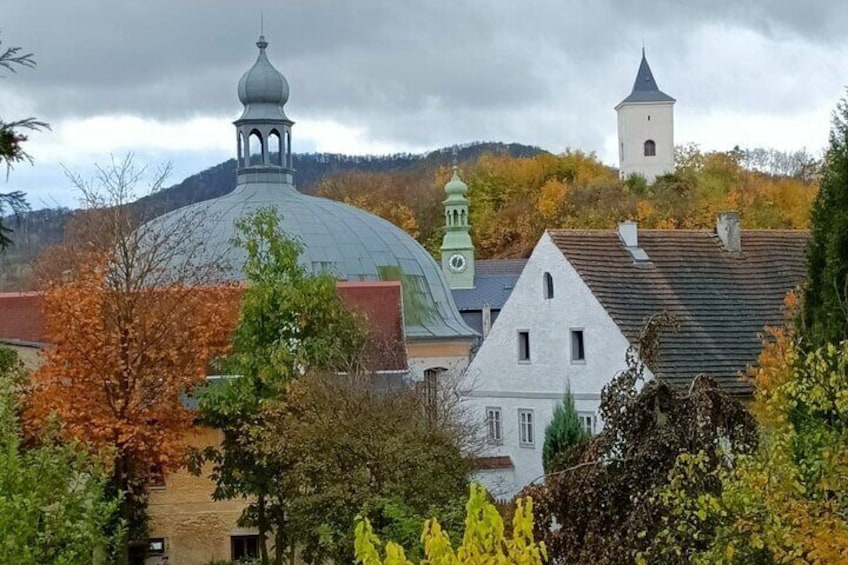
(824, 317)
(564, 431)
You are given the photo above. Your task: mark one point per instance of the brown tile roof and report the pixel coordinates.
(722, 300)
(379, 302)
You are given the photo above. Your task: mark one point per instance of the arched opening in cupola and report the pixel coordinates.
(275, 155)
(254, 141)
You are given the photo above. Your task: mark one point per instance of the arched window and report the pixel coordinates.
(241, 149)
(650, 148)
(549, 286)
(455, 218)
(275, 156)
(255, 146)
(462, 221)
(288, 161)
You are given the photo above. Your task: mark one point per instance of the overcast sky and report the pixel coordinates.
(158, 77)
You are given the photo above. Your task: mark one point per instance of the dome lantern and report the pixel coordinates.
(264, 130)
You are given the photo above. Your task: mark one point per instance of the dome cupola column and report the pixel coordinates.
(264, 131)
(457, 248)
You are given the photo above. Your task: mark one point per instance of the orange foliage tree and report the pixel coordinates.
(132, 329)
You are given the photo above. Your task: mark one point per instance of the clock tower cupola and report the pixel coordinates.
(457, 249)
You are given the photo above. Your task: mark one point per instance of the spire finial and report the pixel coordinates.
(262, 44)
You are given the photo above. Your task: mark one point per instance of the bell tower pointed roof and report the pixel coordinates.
(645, 87)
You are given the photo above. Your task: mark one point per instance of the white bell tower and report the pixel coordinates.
(645, 128)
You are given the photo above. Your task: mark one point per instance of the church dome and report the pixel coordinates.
(337, 239)
(262, 87)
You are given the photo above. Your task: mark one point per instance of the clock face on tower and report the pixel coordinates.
(457, 263)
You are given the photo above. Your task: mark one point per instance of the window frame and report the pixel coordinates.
(649, 148)
(496, 438)
(245, 538)
(592, 420)
(527, 439)
(548, 285)
(578, 346)
(156, 552)
(523, 334)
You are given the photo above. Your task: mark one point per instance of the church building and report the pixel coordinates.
(645, 128)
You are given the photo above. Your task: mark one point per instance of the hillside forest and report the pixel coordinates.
(516, 192)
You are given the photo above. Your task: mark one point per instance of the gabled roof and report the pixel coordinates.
(645, 88)
(721, 300)
(493, 283)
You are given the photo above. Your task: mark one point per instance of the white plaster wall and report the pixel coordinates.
(496, 378)
(454, 365)
(634, 128)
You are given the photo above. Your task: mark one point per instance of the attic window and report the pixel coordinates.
(549, 286)
(578, 350)
(524, 346)
(650, 148)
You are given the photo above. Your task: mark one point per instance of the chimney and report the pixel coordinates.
(629, 233)
(729, 232)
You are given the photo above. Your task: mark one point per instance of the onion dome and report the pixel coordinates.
(263, 89)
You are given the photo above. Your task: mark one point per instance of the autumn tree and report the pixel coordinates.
(133, 320)
(357, 443)
(484, 539)
(53, 507)
(602, 496)
(785, 503)
(12, 137)
(292, 323)
(562, 433)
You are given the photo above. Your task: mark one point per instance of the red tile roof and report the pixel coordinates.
(20, 317)
(378, 302)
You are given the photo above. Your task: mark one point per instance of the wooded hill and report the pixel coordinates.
(35, 230)
(516, 192)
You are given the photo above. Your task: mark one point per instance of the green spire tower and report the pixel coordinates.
(457, 249)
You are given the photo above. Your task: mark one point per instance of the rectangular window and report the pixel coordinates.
(578, 351)
(588, 422)
(494, 425)
(156, 546)
(244, 547)
(524, 346)
(526, 431)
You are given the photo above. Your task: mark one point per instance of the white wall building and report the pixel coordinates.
(584, 297)
(645, 128)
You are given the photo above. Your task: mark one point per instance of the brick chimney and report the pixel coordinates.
(729, 232)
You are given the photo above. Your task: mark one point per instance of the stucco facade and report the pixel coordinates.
(638, 124)
(497, 378)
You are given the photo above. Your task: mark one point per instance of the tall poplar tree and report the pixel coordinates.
(824, 317)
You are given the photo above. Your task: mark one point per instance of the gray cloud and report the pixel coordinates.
(423, 73)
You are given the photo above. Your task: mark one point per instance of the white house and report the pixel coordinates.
(582, 300)
(645, 128)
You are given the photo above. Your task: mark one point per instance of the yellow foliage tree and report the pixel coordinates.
(484, 541)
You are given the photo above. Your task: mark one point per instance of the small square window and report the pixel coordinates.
(244, 548)
(524, 346)
(494, 425)
(578, 350)
(587, 420)
(156, 546)
(526, 430)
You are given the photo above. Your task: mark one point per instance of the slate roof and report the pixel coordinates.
(494, 280)
(722, 300)
(645, 88)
